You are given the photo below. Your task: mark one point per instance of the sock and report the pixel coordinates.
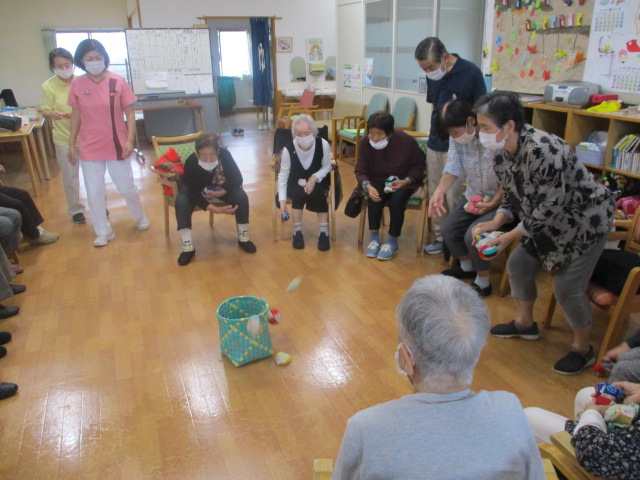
(243, 232)
(466, 265)
(324, 228)
(482, 282)
(185, 233)
(187, 246)
(297, 227)
(375, 236)
(393, 241)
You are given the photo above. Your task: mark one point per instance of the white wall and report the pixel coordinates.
(300, 19)
(23, 57)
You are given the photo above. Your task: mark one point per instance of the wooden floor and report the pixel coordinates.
(117, 356)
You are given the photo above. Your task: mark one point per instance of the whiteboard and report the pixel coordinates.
(169, 60)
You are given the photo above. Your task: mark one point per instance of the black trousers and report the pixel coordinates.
(397, 202)
(21, 201)
(185, 206)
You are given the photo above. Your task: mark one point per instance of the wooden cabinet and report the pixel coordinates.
(575, 126)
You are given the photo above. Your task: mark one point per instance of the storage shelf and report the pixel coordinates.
(575, 125)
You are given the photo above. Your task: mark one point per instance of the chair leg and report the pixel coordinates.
(503, 289)
(363, 215)
(210, 219)
(166, 217)
(550, 309)
(614, 330)
(14, 257)
(423, 221)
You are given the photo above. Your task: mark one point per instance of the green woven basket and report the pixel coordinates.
(236, 343)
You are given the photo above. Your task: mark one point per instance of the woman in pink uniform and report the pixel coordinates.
(100, 100)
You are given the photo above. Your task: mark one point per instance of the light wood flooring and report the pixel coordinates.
(117, 356)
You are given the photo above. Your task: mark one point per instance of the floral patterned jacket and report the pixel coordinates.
(563, 211)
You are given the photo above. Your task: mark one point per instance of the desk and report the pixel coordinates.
(27, 141)
(165, 125)
(39, 127)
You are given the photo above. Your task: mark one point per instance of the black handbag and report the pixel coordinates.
(353, 207)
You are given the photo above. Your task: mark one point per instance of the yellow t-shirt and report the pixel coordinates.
(54, 97)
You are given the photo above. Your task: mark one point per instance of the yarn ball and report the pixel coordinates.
(282, 358)
(273, 315)
(485, 251)
(293, 286)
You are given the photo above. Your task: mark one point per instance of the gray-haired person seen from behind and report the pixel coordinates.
(443, 430)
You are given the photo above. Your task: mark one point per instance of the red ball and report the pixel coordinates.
(273, 316)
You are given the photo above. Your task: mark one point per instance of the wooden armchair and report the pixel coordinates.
(563, 457)
(185, 146)
(617, 307)
(281, 138)
(289, 109)
(352, 128)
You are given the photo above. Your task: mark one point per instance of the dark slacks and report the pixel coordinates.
(21, 201)
(397, 202)
(185, 206)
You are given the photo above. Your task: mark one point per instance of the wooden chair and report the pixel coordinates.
(331, 117)
(281, 138)
(562, 456)
(418, 201)
(185, 145)
(618, 307)
(289, 109)
(351, 128)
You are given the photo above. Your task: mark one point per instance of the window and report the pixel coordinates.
(415, 22)
(378, 40)
(114, 42)
(235, 57)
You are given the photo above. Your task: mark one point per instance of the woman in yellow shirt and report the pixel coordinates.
(54, 107)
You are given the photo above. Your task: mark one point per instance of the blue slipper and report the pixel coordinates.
(372, 249)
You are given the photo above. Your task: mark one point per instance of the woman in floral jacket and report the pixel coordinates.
(565, 217)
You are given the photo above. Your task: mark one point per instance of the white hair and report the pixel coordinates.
(303, 117)
(445, 323)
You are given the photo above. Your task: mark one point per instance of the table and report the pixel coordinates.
(163, 105)
(38, 128)
(26, 137)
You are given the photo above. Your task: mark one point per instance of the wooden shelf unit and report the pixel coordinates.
(575, 125)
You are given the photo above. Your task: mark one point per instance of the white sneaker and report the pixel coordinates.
(143, 224)
(102, 240)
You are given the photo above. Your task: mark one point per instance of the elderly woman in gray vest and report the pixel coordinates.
(304, 178)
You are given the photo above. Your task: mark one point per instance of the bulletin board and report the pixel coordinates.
(613, 57)
(536, 42)
(169, 60)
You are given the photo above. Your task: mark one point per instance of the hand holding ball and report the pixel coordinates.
(485, 251)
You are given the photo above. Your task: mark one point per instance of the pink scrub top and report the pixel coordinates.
(103, 130)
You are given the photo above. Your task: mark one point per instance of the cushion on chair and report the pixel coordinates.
(603, 297)
(182, 149)
(612, 270)
(349, 133)
(170, 162)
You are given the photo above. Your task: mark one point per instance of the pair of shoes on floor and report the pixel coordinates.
(483, 292)
(102, 240)
(17, 289)
(143, 224)
(6, 312)
(186, 257)
(237, 132)
(459, 273)
(381, 252)
(7, 390)
(44, 239)
(435, 248)
(574, 362)
(248, 246)
(79, 218)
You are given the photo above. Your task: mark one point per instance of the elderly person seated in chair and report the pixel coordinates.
(443, 430)
(211, 174)
(304, 177)
(390, 168)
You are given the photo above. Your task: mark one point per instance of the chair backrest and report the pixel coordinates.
(344, 108)
(404, 112)
(633, 241)
(281, 137)
(185, 145)
(307, 97)
(379, 102)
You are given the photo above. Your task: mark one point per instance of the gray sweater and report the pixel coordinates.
(457, 436)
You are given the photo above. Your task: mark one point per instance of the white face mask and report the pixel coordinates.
(379, 145)
(465, 137)
(208, 166)
(489, 140)
(305, 142)
(397, 357)
(95, 68)
(64, 74)
(436, 74)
